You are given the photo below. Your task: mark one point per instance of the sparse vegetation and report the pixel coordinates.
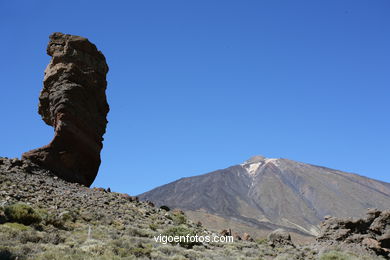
(153, 226)
(262, 241)
(22, 213)
(87, 224)
(182, 231)
(178, 218)
(337, 255)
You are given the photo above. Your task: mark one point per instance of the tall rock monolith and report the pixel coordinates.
(73, 101)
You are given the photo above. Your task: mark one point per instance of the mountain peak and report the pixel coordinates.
(254, 163)
(278, 192)
(258, 159)
(255, 159)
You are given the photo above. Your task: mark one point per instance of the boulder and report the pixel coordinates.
(247, 237)
(279, 237)
(226, 232)
(73, 101)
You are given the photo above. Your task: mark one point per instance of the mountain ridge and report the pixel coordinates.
(45, 217)
(275, 191)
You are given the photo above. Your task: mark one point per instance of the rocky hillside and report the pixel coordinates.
(265, 194)
(44, 217)
(48, 212)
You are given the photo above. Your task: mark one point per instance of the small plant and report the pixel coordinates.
(153, 226)
(55, 221)
(178, 218)
(22, 213)
(262, 241)
(142, 251)
(139, 232)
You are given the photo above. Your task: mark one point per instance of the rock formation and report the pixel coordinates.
(73, 101)
(371, 232)
(279, 237)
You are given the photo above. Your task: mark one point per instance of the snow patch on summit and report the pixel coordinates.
(252, 166)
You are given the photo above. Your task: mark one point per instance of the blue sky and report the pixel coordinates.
(196, 86)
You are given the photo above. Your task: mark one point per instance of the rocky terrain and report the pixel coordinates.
(263, 194)
(48, 211)
(44, 217)
(73, 101)
(371, 232)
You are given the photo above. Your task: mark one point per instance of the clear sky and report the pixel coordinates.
(196, 86)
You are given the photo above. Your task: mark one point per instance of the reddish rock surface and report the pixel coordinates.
(73, 101)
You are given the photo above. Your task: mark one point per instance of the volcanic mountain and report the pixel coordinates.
(262, 194)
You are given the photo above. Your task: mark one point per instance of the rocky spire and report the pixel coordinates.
(73, 101)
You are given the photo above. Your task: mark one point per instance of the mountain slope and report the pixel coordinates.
(45, 217)
(268, 193)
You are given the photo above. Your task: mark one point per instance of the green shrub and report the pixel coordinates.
(55, 221)
(30, 236)
(262, 241)
(61, 221)
(142, 251)
(22, 213)
(138, 232)
(153, 226)
(179, 219)
(16, 226)
(182, 231)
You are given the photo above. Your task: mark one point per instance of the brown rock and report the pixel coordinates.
(73, 101)
(372, 232)
(134, 198)
(381, 224)
(371, 243)
(247, 237)
(226, 232)
(129, 198)
(372, 214)
(99, 189)
(279, 237)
